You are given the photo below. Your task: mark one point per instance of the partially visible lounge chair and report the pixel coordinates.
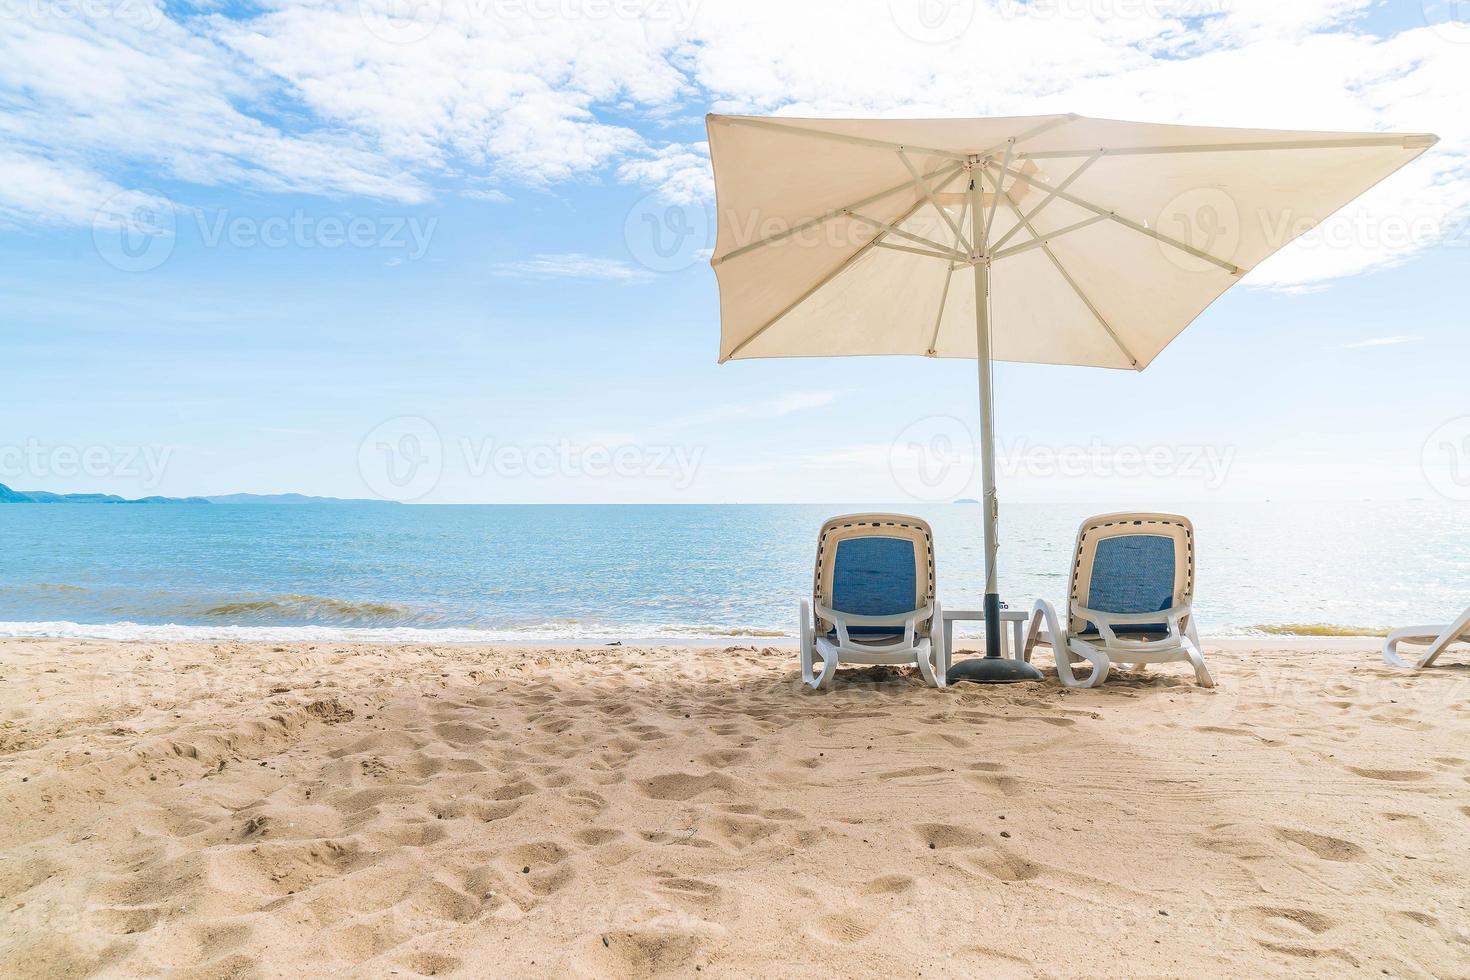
(1433, 638)
(1131, 590)
(873, 598)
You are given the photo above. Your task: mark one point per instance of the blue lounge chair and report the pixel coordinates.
(873, 599)
(1130, 602)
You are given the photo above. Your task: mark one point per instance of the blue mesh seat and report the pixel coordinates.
(1130, 602)
(872, 596)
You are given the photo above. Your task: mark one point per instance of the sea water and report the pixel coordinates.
(661, 572)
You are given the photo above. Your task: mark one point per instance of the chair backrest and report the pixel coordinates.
(1132, 563)
(874, 565)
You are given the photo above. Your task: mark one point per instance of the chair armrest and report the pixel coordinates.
(897, 619)
(1129, 619)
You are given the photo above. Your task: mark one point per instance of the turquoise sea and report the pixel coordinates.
(569, 573)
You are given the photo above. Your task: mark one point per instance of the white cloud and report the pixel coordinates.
(1382, 342)
(573, 265)
(336, 97)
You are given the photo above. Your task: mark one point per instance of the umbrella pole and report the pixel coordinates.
(989, 500)
(992, 668)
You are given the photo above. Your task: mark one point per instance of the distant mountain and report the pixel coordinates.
(286, 499)
(9, 496)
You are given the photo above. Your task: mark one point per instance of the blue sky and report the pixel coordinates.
(340, 241)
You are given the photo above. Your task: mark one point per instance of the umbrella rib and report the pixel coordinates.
(1067, 277)
(929, 193)
(995, 202)
(1037, 130)
(945, 172)
(1413, 141)
(1051, 196)
(944, 293)
(1132, 225)
(1039, 242)
(947, 257)
(888, 229)
(760, 123)
(842, 266)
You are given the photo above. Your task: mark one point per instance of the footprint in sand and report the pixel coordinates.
(685, 786)
(429, 964)
(888, 885)
(841, 928)
(693, 893)
(738, 832)
(1287, 923)
(941, 835)
(1003, 865)
(1325, 847)
(542, 862)
(596, 836)
(1391, 775)
(1008, 785)
(911, 772)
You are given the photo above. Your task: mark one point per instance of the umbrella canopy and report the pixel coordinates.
(1090, 241)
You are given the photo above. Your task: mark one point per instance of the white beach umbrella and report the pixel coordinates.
(1093, 241)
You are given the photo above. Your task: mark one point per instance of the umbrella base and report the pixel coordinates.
(992, 670)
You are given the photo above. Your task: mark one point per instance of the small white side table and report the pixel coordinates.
(1017, 618)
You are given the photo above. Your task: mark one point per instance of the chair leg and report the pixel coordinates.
(1391, 650)
(1197, 660)
(806, 631)
(1082, 653)
(829, 670)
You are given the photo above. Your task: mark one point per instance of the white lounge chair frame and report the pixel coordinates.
(917, 647)
(1107, 648)
(1435, 639)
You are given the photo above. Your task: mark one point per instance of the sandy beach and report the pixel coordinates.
(254, 810)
